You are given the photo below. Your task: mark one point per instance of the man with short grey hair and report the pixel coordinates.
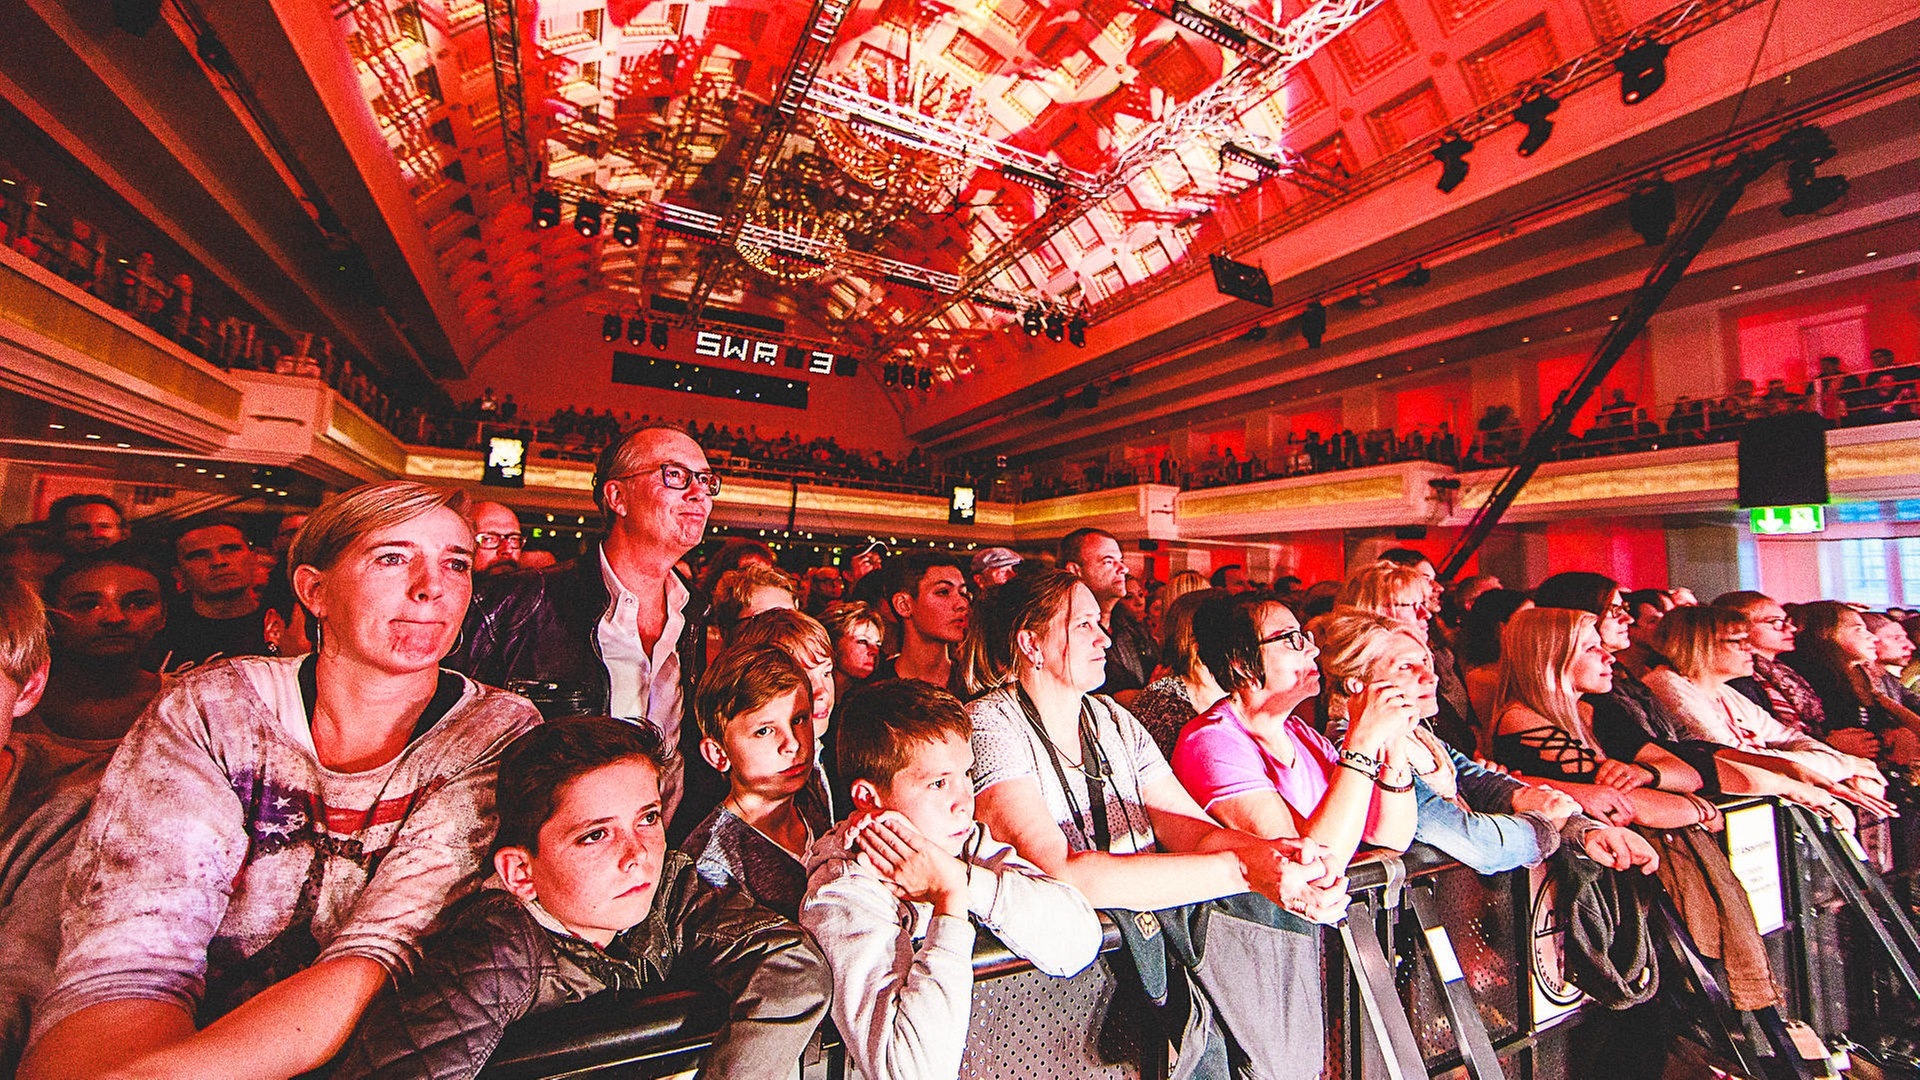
(618, 630)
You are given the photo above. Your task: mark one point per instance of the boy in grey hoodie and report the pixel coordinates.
(889, 891)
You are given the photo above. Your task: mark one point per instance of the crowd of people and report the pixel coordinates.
(357, 800)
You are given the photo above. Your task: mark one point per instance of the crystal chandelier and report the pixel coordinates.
(788, 241)
(900, 176)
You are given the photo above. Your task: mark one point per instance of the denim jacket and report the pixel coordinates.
(1489, 838)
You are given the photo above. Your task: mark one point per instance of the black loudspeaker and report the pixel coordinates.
(1783, 461)
(1243, 282)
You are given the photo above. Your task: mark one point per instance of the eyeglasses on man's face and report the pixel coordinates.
(678, 477)
(1778, 622)
(1620, 612)
(1295, 639)
(488, 541)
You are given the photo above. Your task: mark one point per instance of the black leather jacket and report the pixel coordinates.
(495, 964)
(540, 626)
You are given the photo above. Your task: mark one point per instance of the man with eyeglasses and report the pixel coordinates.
(1778, 688)
(618, 630)
(497, 539)
(1094, 556)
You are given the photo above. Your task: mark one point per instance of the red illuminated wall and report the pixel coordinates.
(1629, 373)
(1431, 404)
(1775, 337)
(1324, 419)
(1632, 551)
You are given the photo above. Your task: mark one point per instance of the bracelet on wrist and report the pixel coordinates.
(1367, 762)
(1397, 789)
(1371, 774)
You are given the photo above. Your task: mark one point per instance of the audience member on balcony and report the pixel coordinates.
(1094, 556)
(1838, 656)
(498, 541)
(739, 595)
(756, 729)
(822, 587)
(620, 625)
(219, 613)
(235, 874)
(1187, 689)
(85, 523)
(1400, 591)
(1478, 644)
(1646, 607)
(104, 609)
(1687, 423)
(1707, 647)
(1484, 818)
(587, 898)
(1077, 787)
(1254, 766)
(1777, 687)
(890, 893)
(42, 806)
(927, 593)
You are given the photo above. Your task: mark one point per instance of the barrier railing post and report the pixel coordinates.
(1868, 895)
(1469, 1030)
(1379, 997)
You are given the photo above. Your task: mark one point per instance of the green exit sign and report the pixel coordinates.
(1781, 520)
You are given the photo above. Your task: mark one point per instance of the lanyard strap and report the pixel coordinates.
(1095, 826)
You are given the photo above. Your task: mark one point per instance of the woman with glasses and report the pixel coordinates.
(1256, 767)
(1074, 783)
(1405, 593)
(1708, 648)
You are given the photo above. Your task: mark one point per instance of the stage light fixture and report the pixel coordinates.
(909, 375)
(610, 327)
(1313, 323)
(926, 378)
(1415, 277)
(1033, 320)
(890, 373)
(636, 331)
(1452, 156)
(1651, 210)
(657, 334)
(1643, 70)
(586, 218)
(1533, 111)
(1077, 331)
(546, 209)
(1056, 326)
(1806, 149)
(626, 228)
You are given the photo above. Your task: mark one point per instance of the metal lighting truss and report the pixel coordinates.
(823, 24)
(503, 45)
(1246, 86)
(903, 124)
(1269, 158)
(1589, 68)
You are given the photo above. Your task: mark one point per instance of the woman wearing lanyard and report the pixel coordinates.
(1078, 787)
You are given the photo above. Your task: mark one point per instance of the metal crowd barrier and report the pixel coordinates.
(1436, 971)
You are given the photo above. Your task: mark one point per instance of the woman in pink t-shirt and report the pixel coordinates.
(1257, 768)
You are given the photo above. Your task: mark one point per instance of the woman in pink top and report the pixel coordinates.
(1257, 768)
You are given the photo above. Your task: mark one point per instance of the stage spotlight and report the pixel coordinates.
(1643, 70)
(1533, 111)
(890, 373)
(1415, 277)
(1313, 323)
(546, 209)
(636, 331)
(1033, 321)
(610, 327)
(657, 334)
(1056, 326)
(1806, 149)
(1650, 210)
(926, 378)
(586, 218)
(909, 375)
(1077, 331)
(1452, 156)
(626, 228)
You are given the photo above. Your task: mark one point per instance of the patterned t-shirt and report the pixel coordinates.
(1006, 747)
(222, 857)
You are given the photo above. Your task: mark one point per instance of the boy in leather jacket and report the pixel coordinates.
(589, 898)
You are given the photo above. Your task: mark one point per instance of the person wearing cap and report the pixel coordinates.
(993, 566)
(620, 631)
